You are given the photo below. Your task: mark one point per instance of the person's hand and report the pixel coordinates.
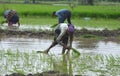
(2, 22)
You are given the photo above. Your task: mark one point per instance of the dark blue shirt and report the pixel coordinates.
(63, 14)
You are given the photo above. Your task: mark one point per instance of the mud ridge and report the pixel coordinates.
(48, 73)
(46, 33)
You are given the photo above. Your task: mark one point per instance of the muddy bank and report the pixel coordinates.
(47, 33)
(104, 33)
(49, 73)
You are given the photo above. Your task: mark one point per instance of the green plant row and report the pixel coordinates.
(77, 11)
(25, 62)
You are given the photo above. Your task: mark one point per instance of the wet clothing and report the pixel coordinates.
(71, 28)
(11, 16)
(61, 34)
(63, 14)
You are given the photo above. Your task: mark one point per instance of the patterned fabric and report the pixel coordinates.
(11, 16)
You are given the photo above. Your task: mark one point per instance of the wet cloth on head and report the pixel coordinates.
(71, 28)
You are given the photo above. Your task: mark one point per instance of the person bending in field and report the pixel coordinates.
(62, 15)
(63, 34)
(11, 17)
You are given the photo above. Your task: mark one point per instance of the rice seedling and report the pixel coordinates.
(79, 11)
(32, 62)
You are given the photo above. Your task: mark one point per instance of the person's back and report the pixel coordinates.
(63, 14)
(11, 17)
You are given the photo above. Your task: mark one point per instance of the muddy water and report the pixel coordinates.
(43, 27)
(108, 46)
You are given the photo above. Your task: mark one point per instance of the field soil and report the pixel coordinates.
(46, 33)
(48, 73)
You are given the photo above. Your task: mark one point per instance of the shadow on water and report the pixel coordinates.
(88, 44)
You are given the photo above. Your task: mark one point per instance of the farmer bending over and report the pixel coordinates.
(62, 15)
(63, 33)
(11, 17)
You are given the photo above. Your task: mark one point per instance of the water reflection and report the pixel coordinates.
(64, 65)
(88, 44)
(107, 46)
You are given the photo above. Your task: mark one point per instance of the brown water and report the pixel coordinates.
(108, 46)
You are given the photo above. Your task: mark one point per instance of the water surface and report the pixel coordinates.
(84, 45)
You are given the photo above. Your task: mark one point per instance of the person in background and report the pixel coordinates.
(63, 35)
(11, 17)
(62, 15)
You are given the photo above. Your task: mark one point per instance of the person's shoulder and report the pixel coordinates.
(63, 25)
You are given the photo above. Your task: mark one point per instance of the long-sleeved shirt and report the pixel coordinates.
(63, 14)
(63, 28)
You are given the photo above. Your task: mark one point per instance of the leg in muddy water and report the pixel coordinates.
(48, 49)
(68, 51)
(65, 42)
(63, 50)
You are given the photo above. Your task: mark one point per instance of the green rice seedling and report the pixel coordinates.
(85, 64)
(79, 11)
(75, 51)
(18, 71)
(98, 17)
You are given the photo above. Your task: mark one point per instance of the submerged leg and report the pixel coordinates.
(63, 50)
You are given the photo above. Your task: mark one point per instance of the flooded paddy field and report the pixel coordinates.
(18, 54)
(107, 46)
